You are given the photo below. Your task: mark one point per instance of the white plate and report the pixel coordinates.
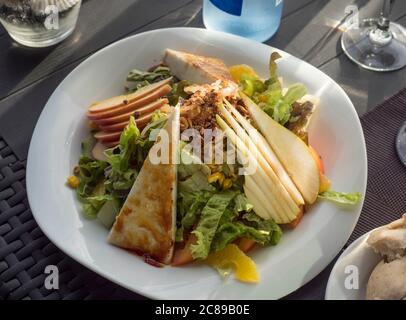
(335, 132)
(349, 278)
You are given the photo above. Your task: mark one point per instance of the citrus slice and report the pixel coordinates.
(237, 70)
(231, 256)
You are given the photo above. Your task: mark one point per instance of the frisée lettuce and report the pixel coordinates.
(269, 95)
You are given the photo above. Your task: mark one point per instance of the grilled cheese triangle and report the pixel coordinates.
(147, 221)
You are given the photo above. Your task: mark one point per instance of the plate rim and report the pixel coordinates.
(142, 291)
(347, 251)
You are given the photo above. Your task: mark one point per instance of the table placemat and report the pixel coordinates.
(385, 199)
(25, 251)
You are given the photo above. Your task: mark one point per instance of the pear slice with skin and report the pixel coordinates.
(278, 196)
(259, 209)
(268, 154)
(293, 153)
(291, 206)
(257, 198)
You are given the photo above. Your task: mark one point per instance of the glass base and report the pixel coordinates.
(372, 49)
(401, 144)
(43, 43)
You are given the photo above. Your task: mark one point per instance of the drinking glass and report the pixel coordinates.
(39, 23)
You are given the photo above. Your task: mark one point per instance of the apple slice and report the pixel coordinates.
(266, 152)
(280, 199)
(98, 151)
(147, 109)
(293, 153)
(130, 106)
(114, 102)
(107, 136)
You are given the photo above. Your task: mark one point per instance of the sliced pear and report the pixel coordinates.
(251, 145)
(266, 180)
(262, 206)
(267, 153)
(291, 151)
(259, 209)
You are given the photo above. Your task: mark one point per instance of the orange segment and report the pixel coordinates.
(237, 70)
(245, 269)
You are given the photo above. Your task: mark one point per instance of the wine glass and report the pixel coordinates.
(379, 45)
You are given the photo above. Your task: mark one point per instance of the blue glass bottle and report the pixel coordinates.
(254, 19)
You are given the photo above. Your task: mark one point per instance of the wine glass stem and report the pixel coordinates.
(381, 35)
(383, 21)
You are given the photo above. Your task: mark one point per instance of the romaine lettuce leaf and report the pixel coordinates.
(263, 232)
(196, 182)
(341, 197)
(189, 205)
(189, 164)
(208, 223)
(241, 204)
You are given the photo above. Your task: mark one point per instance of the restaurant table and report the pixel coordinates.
(310, 30)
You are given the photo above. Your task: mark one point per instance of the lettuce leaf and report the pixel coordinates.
(92, 205)
(273, 67)
(194, 190)
(255, 221)
(87, 145)
(196, 182)
(190, 206)
(341, 197)
(178, 92)
(263, 232)
(208, 223)
(268, 94)
(91, 191)
(137, 79)
(122, 174)
(241, 204)
(281, 110)
(189, 164)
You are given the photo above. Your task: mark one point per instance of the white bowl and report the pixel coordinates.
(55, 147)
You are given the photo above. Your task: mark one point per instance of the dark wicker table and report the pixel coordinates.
(309, 30)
